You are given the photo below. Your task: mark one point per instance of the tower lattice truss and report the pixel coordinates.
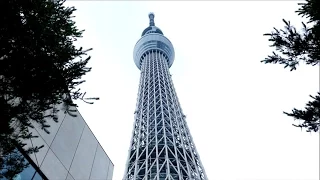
(161, 147)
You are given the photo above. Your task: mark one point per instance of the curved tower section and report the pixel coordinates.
(161, 146)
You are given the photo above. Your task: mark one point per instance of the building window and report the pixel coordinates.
(28, 173)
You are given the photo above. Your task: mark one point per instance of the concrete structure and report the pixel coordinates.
(161, 147)
(70, 152)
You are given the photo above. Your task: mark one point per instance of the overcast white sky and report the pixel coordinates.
(233, 103)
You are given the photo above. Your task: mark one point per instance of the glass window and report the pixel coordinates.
(37, 177)
(29, 173)
(26, 174)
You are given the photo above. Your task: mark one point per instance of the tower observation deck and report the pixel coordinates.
(161, 147)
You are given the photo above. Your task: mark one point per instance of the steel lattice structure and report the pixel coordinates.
(161, 147)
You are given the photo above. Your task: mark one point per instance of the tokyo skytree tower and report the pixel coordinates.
(161, 146)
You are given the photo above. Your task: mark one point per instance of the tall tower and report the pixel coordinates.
(161, 146)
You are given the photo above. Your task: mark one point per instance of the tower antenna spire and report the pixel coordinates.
(151, 18)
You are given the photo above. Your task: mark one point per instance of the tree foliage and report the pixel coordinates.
(293, 47)
(39, 68)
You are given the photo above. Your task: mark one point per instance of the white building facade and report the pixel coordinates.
(70, 152)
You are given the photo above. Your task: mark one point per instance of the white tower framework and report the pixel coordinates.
(161, 146)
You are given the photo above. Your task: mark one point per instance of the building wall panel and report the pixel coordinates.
(53, 168)
(100, 165)
(85, 153)
(54, 126)
(67, 139)
(110, 171)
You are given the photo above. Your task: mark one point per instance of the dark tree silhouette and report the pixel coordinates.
(39, 68)
(294, 47)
